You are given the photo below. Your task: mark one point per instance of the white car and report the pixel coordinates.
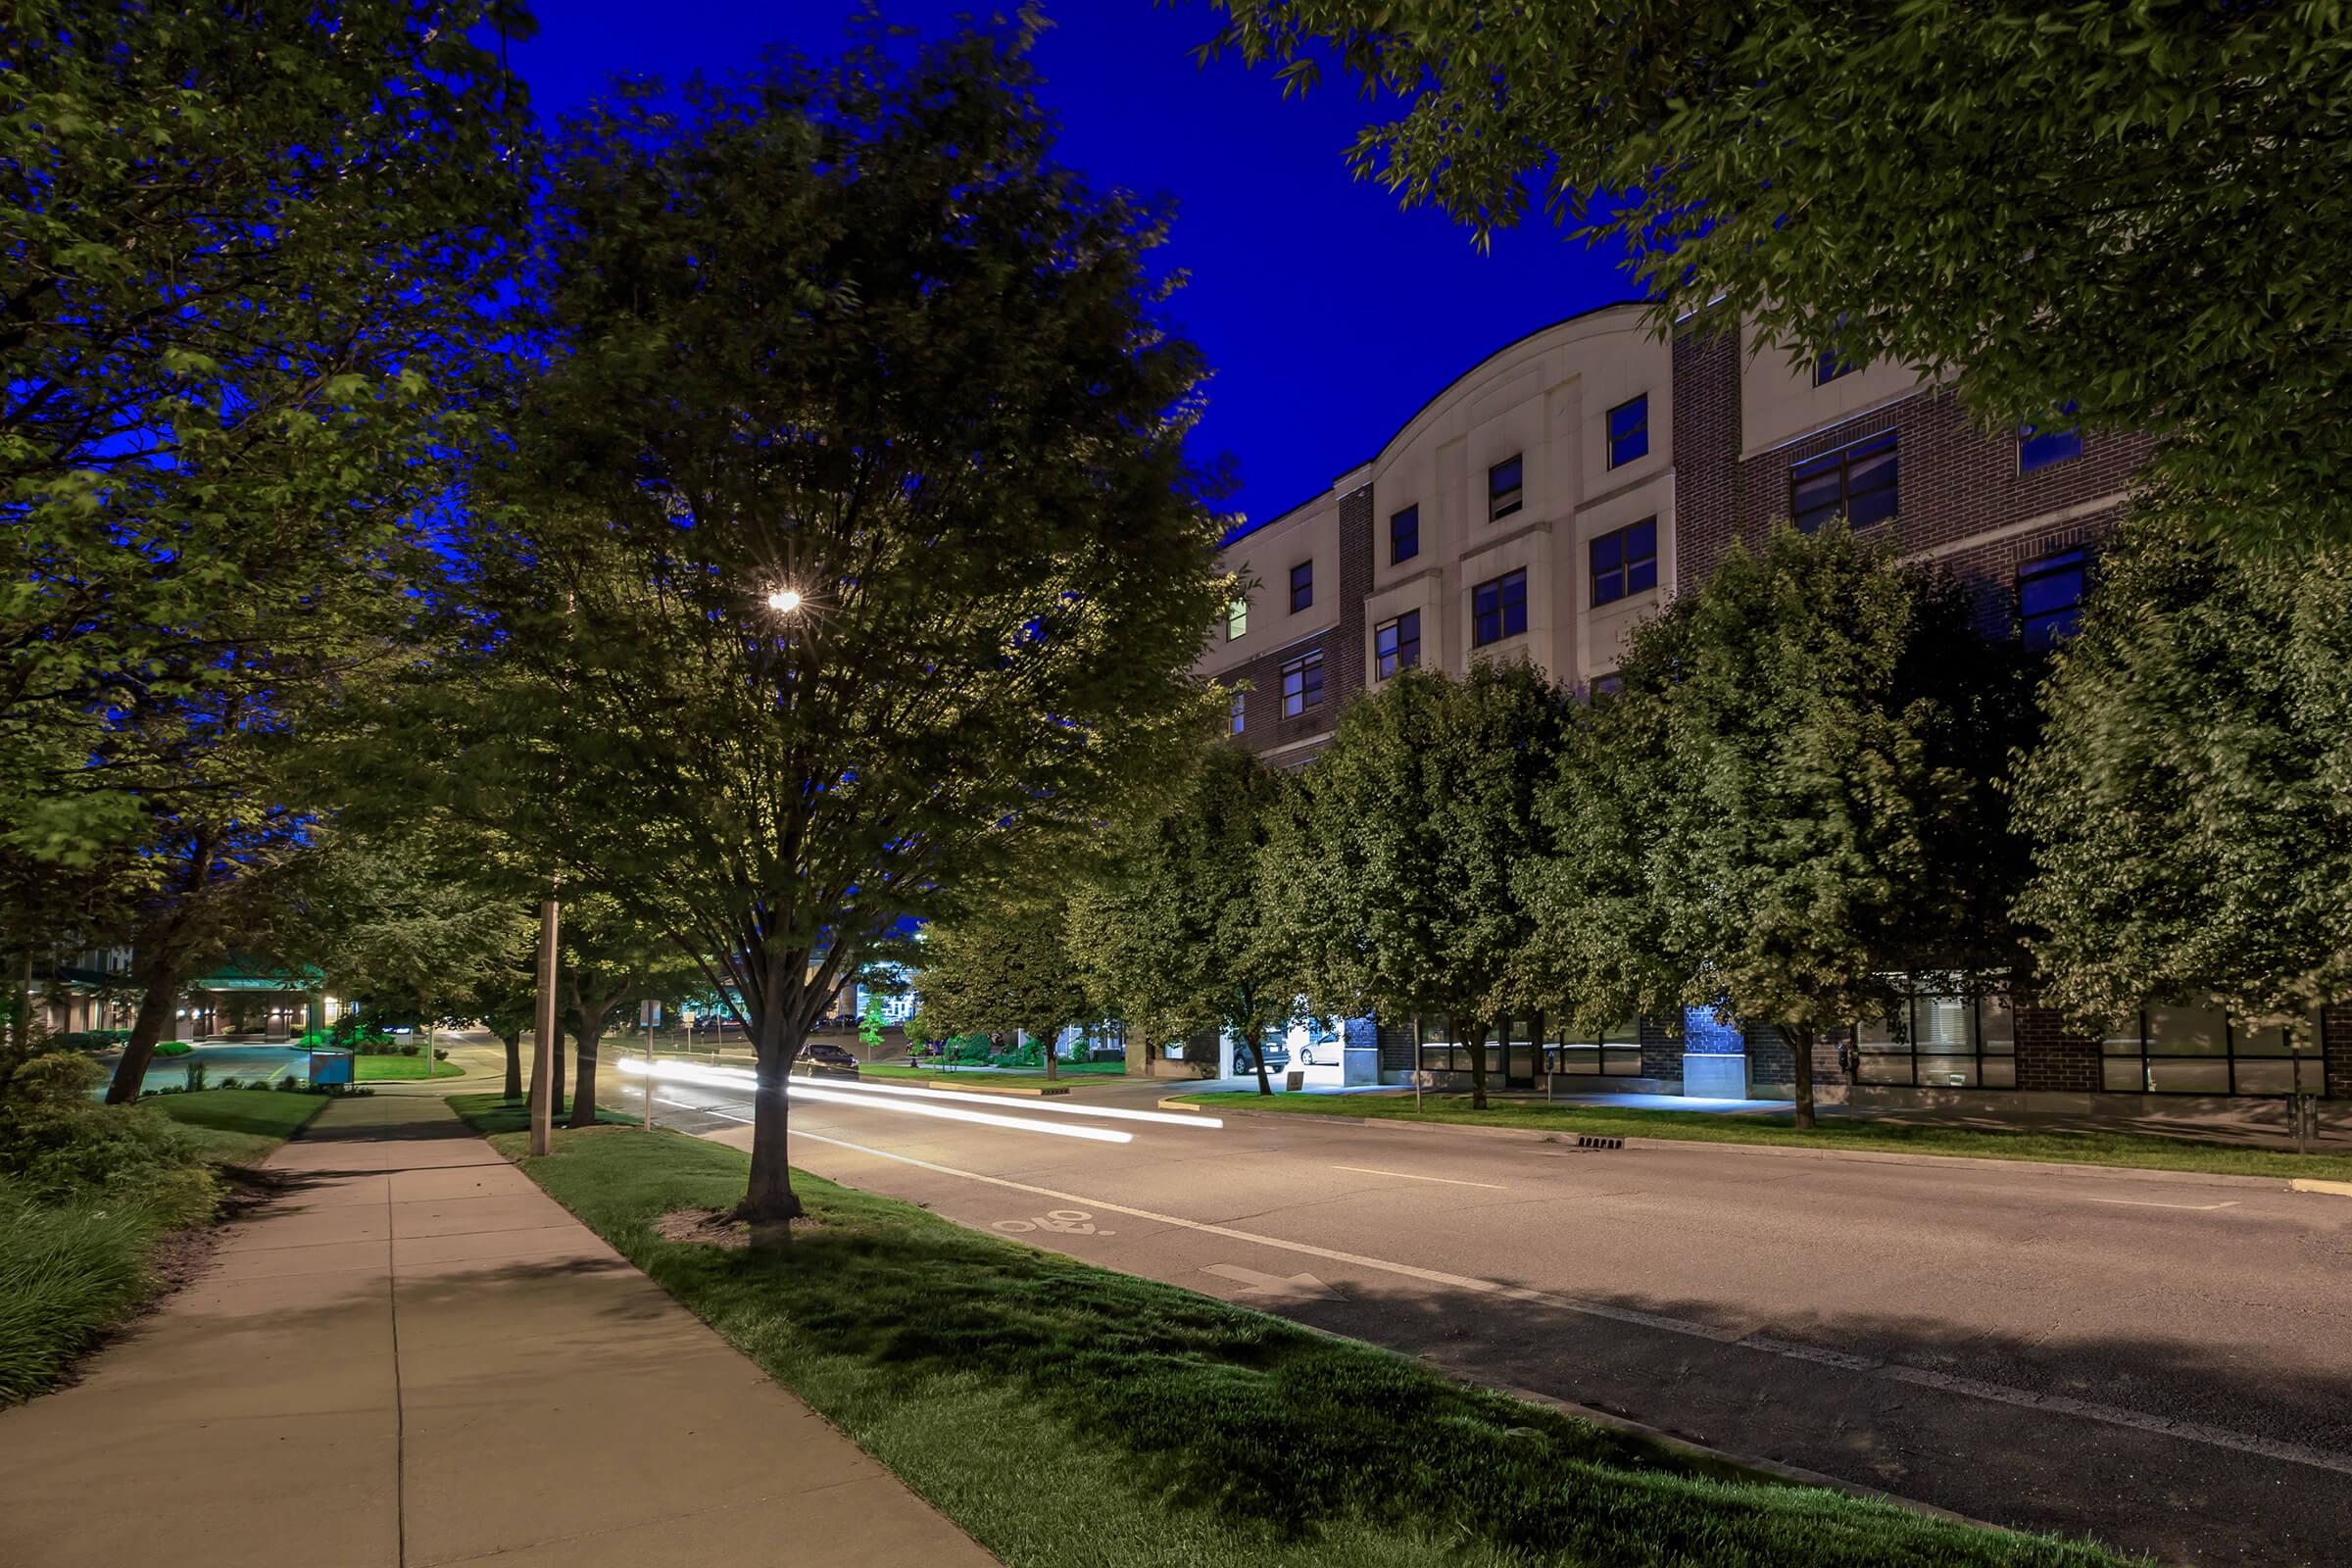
(1317, 1053)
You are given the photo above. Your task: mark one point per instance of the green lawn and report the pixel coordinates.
(75, 1261)
(496, 1114)
(1069, 1417)
(2143, 1150)
(384, 1069)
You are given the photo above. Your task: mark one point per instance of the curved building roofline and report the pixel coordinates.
(1431, 402)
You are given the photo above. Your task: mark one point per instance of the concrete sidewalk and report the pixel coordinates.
(416, 1357)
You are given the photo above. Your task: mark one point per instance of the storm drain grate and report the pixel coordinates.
(1593, 1140)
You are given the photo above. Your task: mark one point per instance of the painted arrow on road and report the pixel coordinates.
(1298, 1287)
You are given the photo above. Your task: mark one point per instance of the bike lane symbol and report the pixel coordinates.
(1060, 1221)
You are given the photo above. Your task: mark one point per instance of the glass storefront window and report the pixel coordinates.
(2183, 1048)
(1944, 1035)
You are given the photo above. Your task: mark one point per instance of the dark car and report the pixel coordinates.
(822, 1059)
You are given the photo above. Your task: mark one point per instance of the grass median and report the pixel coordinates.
(2140, 1151)
(95, 1192)
(394, 1069)
(1066, 1415)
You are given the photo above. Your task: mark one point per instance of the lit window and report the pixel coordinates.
(1629, 431)
(1303, 586)
(1237, 620)
(2039, 446)
(1625, 561)
(1301, 684)
(1499, 609)
(1857, 483)
(1502, 489)
(1396, 644)
(1404, 535)
(2049, 597)
(1238, 716)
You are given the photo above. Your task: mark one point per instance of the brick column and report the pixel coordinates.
(2051, 1056)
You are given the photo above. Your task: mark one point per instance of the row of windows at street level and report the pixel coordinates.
(1859, 481)
(1625, 561)
(1947, 1039)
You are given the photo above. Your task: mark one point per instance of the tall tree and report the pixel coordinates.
(1174, 934)
(2045, 200)
(1394, 878)
(1795, 797)
(608, 960)
(1007, 966)
(854, 517)
(2188, 805)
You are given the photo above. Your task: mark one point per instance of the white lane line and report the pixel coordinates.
(1997, 1392)
(1366, 1171)
(983, 1118)
(707, 1111)
(2142, 1203)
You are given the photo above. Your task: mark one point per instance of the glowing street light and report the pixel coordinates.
(784, 601)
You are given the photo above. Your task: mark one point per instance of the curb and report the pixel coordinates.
(1031, 1089)
(1976, 1163)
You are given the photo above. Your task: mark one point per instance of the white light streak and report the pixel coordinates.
(801, 1089)
(743, 1077)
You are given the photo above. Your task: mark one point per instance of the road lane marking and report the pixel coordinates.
(2142, 1203)
(743, 1078)
(1256, 1281)
(1871, 1366)
(1366, 1171)
(707, 1111)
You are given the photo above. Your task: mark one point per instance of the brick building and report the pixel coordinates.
(1561, 489)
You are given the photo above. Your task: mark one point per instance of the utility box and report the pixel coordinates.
(331, 1067)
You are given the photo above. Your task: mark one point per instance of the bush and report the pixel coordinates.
(173, 1048)
(407, 1047)
(91, 1040)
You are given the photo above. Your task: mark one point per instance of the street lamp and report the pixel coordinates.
(784, 601)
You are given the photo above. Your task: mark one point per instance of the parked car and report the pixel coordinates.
(822, 1059)
(1244, 1063)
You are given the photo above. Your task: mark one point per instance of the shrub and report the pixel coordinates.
(408, 1049)
(173, 1048)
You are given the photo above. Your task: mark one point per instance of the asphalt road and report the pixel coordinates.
(2162, 1362)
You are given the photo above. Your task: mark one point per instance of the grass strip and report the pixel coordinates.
(71, 1268)
(2140, 1151)
(385, 1069)
(988, 1075)
(1071, 1417)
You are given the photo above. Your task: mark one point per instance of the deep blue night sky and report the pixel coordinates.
(1328, 314)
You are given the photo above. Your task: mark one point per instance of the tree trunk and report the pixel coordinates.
(587, 1031)
(154, 1012)
(1801, 1051)
(1258, 1052)
(768, 1202)
(1478, 1066)
(513, 1041)
(1052, 1067)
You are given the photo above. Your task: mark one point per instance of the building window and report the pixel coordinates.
(1856, 483)
(1943, 1035)
(1404, 535)
(1499, 609)
(1625, 561)
(1613, 1054)
(1629, 431)
(1605, 687)
(1301, 684)
(1237, 620)
(2184, 1049)
(1502, 489)
(1238, 717)
(2039, 446)
(1396, 644)
(1829, 364)
(1303, 586)
(2049, 598)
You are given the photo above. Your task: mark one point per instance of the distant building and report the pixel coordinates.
(1566, 486)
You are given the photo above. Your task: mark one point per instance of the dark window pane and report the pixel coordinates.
(1641, 576)
(1608, 553)
(1641, 539)
(1302, 585)
(1502, 489)
(1409, 639)
(1629, 431)
(1404, 535)
(2037, 449)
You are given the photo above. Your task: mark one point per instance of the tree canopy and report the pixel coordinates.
(1794, 798)
(1004, 965)
(2047, 199)
(2190, 804)
(1393, 878)
(1175, 932)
